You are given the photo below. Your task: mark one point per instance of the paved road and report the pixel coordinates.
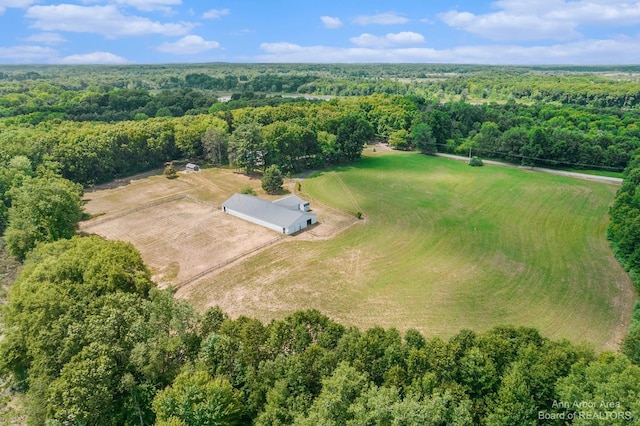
(604, 179)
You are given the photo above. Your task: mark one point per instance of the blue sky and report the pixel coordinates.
(172, 31)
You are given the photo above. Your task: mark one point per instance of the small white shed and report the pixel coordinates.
(190, 167)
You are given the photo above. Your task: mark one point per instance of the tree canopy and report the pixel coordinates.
(43, 209)
(89, 339)
(272, 180)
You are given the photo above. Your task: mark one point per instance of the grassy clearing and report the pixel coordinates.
(444, 247)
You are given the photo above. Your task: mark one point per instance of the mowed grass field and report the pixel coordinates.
(444, 247)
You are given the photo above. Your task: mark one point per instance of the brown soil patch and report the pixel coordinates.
(182, 238)
(179, 229)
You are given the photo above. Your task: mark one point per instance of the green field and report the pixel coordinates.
(443, 247)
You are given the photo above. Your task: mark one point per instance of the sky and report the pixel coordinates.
(509, 32)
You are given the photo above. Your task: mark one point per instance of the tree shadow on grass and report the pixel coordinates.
(119, 182)
(281, 192)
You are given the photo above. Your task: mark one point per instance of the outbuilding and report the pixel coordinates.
(190, 167)
(287, 215)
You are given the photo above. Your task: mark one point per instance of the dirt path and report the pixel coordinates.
(603, 179)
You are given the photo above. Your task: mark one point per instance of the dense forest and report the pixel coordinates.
(89, 339)
(596, 86)
(108, 348)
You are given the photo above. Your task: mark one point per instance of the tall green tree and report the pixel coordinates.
(399, 139)
(514, 403)
(423, 138)
(215, 145)
(440, 123)
(511, 143)
(339, 391)
(610, 384)
(272, 179)
(43, 209)
(197, 399)
(536, 150)
(353, 131)
(488, 138)
(245, 147)
(13, 172)
(88, 339)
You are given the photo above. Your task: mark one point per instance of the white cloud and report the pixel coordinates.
(18, 4)
(288, 52)
(404, 37)
(105, 20)
(188, 45)
(27, 54)
(242, 32)
(46, 38)
(143, 5)
(94, 58)
(598, 13)
(505, 26)
(216, 13)
(544, 19)
(282, 47)
(585, 52)
(387, 18)
(330, 22)
(367, 39)
(527, 6)
(149, 5)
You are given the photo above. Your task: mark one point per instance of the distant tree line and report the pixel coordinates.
(120, 93)
(300, 134)
(252, 99)
(540, 134)
(45, 102)
(94, 152)
(90, 340)
(271, 83)
(590, 90)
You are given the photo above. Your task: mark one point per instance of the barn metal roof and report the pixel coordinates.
(290, 201)
(265, 210)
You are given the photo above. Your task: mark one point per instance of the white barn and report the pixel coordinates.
(286, 215)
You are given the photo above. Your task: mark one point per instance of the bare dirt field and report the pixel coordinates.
(178, 227)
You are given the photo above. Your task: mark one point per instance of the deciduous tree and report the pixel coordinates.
(43, 209)
(272, 180)
(197, 399)
(215, 145)
(423, 138)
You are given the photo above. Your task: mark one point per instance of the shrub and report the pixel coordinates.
(247, 190)
(476, 162)
(170, 172)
